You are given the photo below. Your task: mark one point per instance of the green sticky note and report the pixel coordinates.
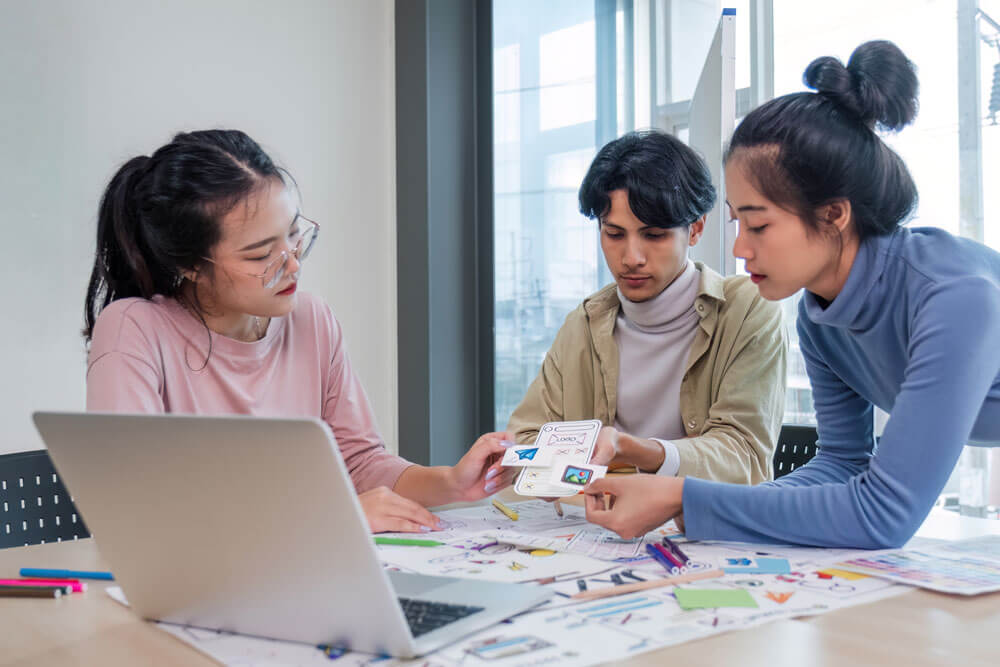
(702, 598)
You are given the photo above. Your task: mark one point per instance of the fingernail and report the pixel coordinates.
(490, 486)
(508, 443)
(492, 473)
(425, 529)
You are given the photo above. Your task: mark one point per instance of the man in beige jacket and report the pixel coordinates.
(685, 368)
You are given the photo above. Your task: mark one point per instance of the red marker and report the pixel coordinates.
(73, 584)
(670, 556)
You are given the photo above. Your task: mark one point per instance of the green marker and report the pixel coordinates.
(407, 542)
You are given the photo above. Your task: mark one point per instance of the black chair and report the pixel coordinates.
(34, 505)
(796, 445)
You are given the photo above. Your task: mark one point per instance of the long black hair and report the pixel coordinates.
(805, 150)
(668, 184)
(160, 215)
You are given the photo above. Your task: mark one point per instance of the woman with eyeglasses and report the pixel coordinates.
(903, 318)
(193, 307)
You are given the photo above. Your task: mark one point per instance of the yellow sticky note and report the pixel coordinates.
(843, 574)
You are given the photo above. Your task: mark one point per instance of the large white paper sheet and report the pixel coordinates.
(567, 631)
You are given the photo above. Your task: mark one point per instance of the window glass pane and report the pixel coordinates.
(546, 252)
(989, 65)
(566, 84)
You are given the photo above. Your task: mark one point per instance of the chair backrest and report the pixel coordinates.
(34, 504)
(796, 445)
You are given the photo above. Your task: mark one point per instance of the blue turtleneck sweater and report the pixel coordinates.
(916, 332)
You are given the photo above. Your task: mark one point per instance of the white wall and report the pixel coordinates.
(86, 85)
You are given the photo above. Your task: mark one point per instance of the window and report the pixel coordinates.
(570, 76)
(546, 254)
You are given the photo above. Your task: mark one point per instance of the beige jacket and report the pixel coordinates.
(732, 393)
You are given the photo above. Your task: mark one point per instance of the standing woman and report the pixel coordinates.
(193, 308)
(904, 319)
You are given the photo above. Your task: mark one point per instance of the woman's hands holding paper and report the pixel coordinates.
(637, 503)
(479, 474)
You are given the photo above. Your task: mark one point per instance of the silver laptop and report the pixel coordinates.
(252, 525)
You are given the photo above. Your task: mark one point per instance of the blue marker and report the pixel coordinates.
(658, 557)
(64, 574)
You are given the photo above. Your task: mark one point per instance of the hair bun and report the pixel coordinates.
(878, 85)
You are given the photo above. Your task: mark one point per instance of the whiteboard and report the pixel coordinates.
(712, 119)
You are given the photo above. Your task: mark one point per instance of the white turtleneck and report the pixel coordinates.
(654, 342)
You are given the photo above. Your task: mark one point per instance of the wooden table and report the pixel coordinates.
(917, 628)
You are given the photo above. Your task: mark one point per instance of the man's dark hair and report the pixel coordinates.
(668, 184)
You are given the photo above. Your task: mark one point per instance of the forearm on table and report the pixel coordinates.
(428, 485)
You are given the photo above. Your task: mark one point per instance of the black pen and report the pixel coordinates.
(30, 591)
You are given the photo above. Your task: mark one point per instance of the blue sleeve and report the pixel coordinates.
(844, 419)
(953, 359)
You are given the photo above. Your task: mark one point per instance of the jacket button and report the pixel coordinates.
(692, 424)
(701, 308)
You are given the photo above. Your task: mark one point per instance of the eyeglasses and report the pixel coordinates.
(303, 238)
(306, 238)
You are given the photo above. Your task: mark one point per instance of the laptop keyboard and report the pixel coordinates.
(424, 616)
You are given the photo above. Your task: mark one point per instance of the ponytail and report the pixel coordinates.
(161, 215)
(120, 269)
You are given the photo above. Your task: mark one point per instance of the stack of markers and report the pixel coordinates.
(36, 583)
(670, 556)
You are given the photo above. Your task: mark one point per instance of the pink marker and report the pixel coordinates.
(73, 584)
(670, 556)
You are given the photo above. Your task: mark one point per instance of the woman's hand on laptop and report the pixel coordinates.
(388, 511)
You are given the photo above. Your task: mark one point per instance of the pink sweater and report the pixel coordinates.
(148, 357)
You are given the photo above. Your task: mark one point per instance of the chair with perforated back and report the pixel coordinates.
(34, 504)
(796, 445)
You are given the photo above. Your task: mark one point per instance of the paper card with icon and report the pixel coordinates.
(524, 456)
(573, 441)
(571, 475)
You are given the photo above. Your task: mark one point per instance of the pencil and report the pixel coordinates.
(30, 591)
(511, 514)
(555, 503)
(646, 585)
